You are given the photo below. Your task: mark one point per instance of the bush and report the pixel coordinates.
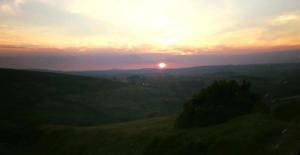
(218, 103)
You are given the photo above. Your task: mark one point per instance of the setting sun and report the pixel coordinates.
(162, 65)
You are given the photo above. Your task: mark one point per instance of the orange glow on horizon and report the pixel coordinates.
(162, 65)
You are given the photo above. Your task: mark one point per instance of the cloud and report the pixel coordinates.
(283, 19)
(7, 9)
(284, 28)
(157, 25)
(256, 13)
(58, 20)
(10, 7)
(52, 19)
(36, 22)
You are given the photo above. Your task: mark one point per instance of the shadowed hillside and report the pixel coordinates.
(30, 99)
(254, 134)
(68, 99)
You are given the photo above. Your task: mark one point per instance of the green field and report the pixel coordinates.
(251, 135)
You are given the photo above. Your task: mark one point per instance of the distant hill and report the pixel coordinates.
(274, 80)
(195, 71)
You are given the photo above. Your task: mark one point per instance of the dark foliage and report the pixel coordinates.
(217, 103)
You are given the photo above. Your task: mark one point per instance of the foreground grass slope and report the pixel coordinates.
(253, 134)
(276, 133)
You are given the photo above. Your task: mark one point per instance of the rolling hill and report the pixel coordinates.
(254, 134)
(30, 99)
(68, 99)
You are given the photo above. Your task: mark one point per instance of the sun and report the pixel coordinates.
(162, 65)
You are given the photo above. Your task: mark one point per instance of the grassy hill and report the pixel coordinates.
(253, 134)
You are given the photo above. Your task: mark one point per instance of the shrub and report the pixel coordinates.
(217, 103)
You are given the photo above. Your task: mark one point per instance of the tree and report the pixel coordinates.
(217, 103)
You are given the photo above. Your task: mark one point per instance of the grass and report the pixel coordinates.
(248, 135)
(288, 110)
(253, 134)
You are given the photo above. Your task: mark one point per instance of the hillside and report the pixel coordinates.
(30, 99)
(254, 134)
(67, 99)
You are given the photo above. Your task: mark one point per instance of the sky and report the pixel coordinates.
(105, 34)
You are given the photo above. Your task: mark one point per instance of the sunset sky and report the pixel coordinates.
(104, 34)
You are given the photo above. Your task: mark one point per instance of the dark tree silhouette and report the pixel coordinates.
(217, 103)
